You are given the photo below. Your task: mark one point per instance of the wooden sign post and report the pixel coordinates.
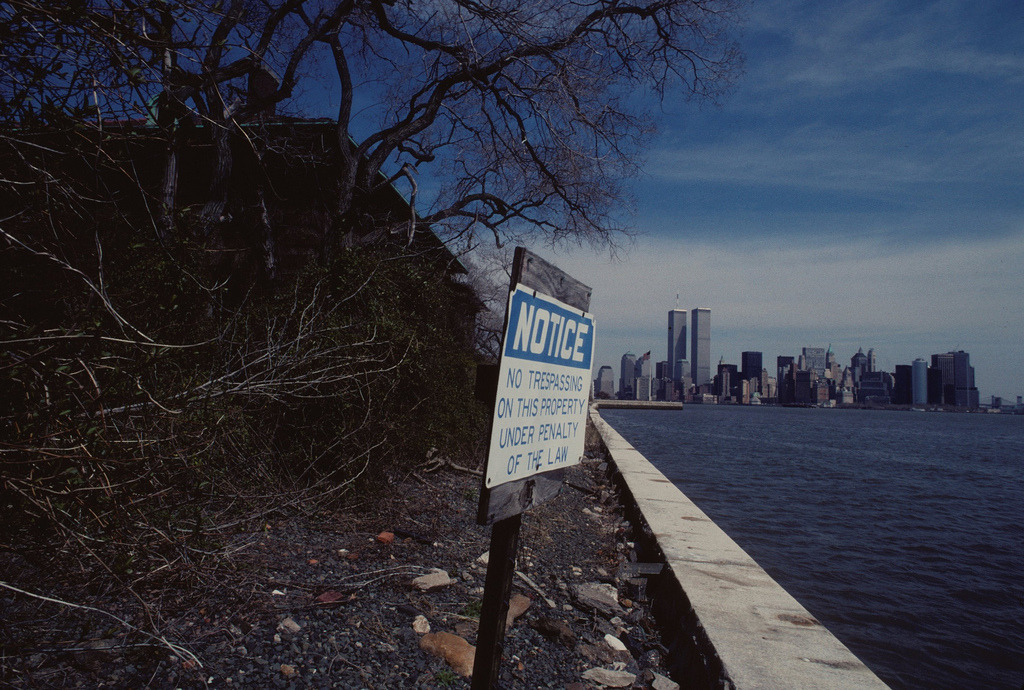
(537, 429)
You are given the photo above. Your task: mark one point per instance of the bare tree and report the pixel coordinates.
(518, 116)
(149, 399)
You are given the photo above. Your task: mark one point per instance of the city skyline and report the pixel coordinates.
(754, 361)
(862, 185)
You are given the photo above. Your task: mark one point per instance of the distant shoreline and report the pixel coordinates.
(610, 404)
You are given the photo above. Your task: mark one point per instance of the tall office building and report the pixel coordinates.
(676, 342)
(643, 377)
(872, 360)
(814, 360)
(919, 382)
(700, 346)
(957, 379)
(750, 368)
(944, 363)
(903, 385)
(605, 384)
(858, 365)
(626, 373)
(965, 394)
(784, 382)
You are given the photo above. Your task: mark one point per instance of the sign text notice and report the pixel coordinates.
(543, 388)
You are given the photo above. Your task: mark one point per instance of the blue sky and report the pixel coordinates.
(863, 185)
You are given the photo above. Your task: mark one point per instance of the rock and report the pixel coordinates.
(517, 606)
(456, 651)
(660, 682)
(289, 626)
(599, 597)
(615, 643)
(483, 558)
(608, 678)
(436, 579)
(421, 625)
(555, 629)
(466, 628)
(330, 597)
(288, 671)
(386, 537)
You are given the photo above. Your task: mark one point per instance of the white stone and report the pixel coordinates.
(435, 579)
(600, 596)
(289, 626)
(615, 643)
(611, 679)
(421, 625)
(483, 558)
(660, 682)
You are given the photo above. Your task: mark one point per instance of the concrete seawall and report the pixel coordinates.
(725, 621)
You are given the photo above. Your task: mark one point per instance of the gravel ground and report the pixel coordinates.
(328, 603)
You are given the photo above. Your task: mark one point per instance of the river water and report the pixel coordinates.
(903, 532)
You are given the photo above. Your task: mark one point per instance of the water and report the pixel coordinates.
(901, 531)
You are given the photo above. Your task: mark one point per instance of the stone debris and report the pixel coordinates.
(455, 650)
(483, 559)
(660, 682)
(288, 671)
(330, 597)
(609, 678)
(289, 626)
(517, 606)
(555, 629)
(386, 537)
(615, 643)
(467, 629)
(536, 588)
(421, 625)
(599, 597)
(435, 579)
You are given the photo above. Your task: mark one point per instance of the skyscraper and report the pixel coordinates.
(642, 377)
(700, 346)
(605, 384)
(814, 360)
(750, 368)
(858, 365)
(626, 373)
(919, 382)
(676, 342)
(965, 395)
(944, 363)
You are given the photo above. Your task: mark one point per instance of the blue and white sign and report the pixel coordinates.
(540, 412)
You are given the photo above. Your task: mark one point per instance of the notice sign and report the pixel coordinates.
(540, 411)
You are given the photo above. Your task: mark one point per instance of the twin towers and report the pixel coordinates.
(699, 360)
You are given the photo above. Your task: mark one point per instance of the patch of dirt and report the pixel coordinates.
(326, 601)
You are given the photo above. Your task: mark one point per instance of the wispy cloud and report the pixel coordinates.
(831, 45)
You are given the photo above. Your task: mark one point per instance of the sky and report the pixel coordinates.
(861, 186)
